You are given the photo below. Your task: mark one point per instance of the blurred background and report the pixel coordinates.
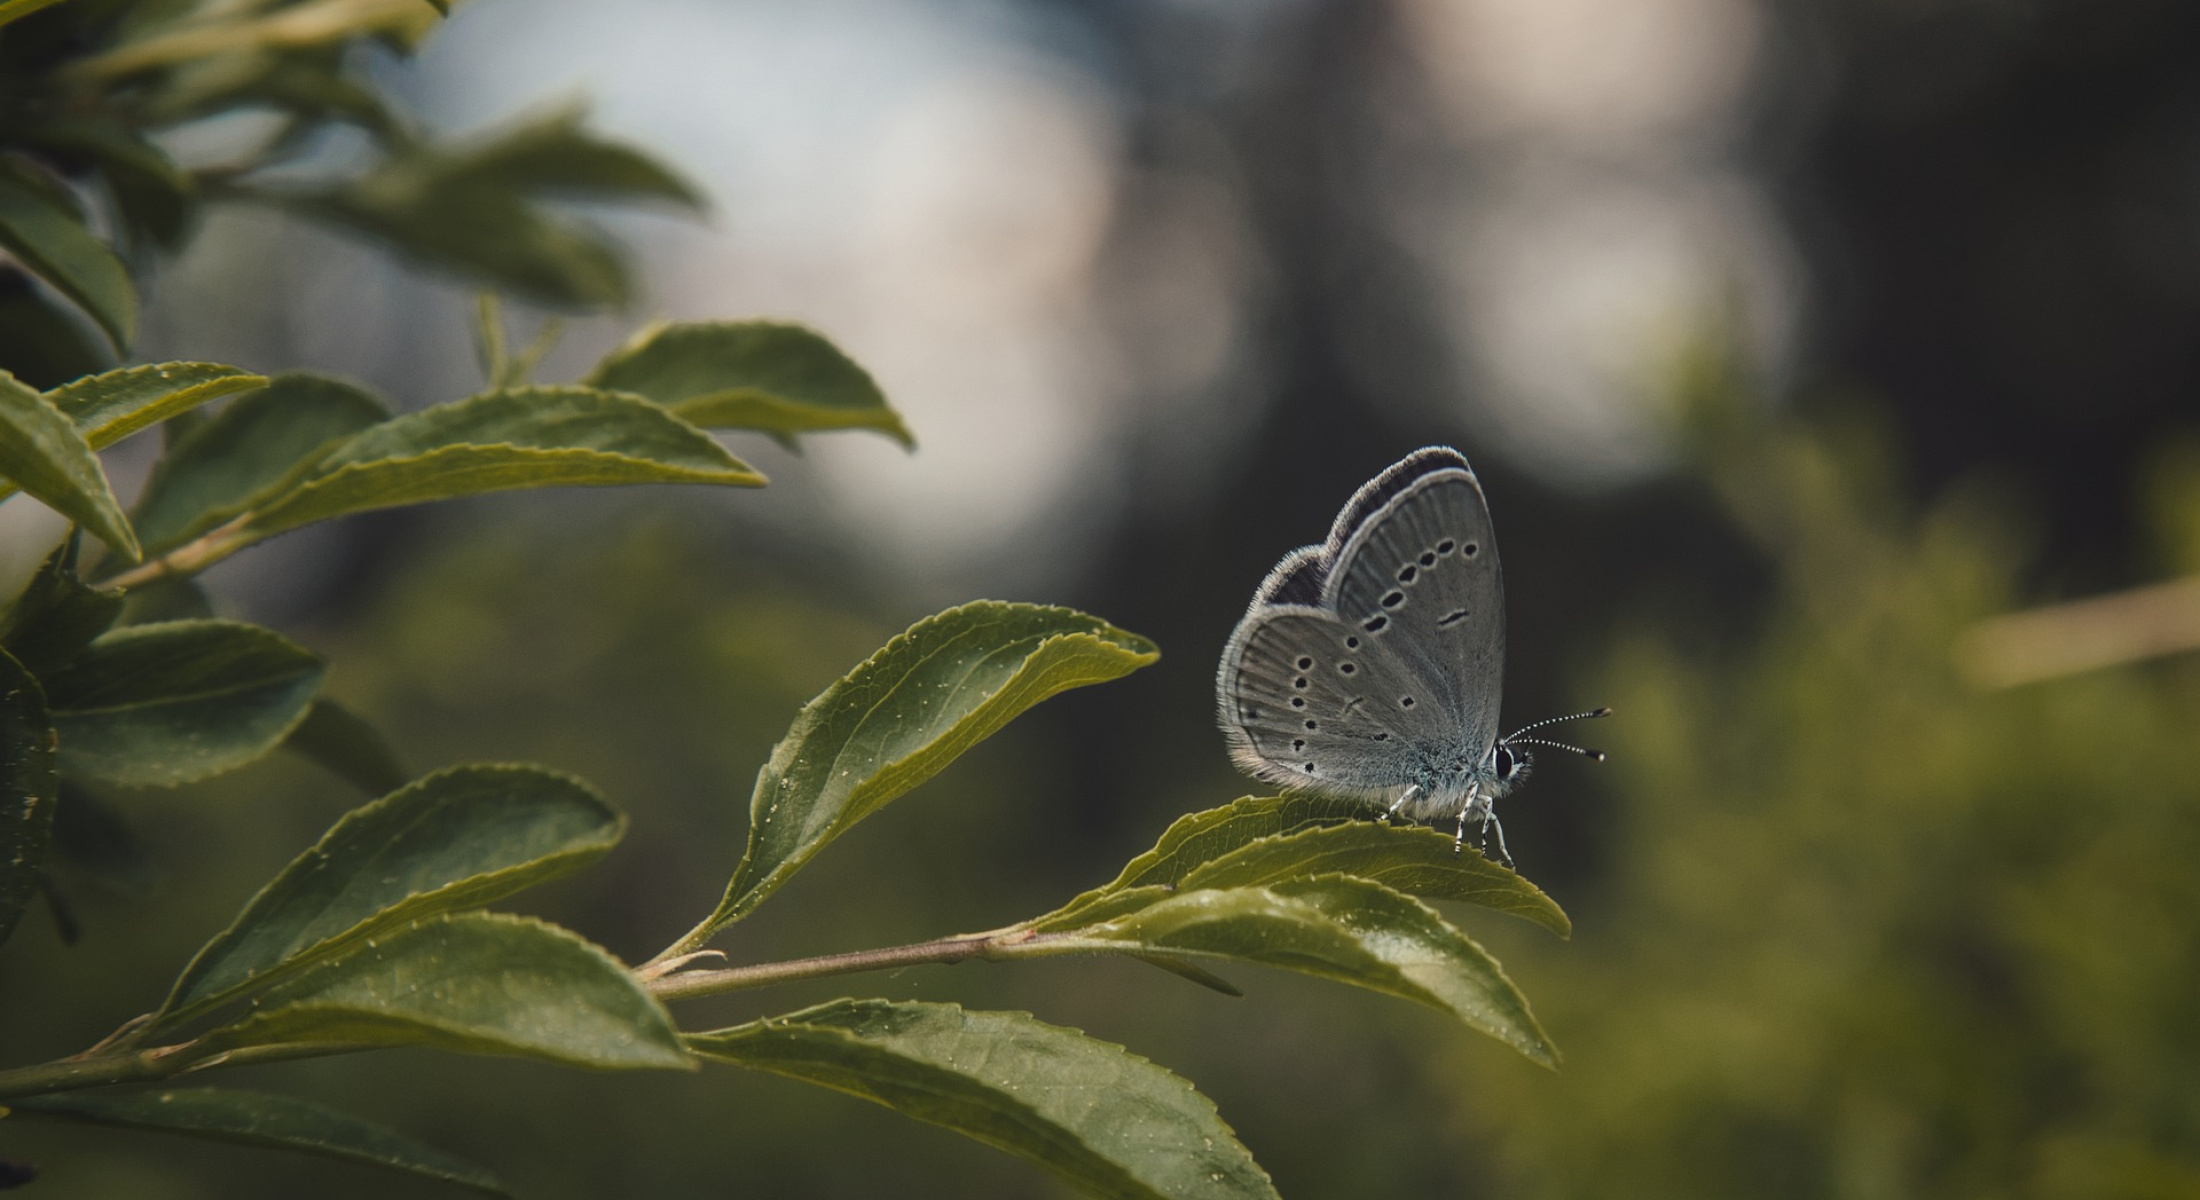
(1796, 341)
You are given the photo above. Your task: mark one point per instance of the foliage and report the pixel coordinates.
(1879, 932)
(116, 673)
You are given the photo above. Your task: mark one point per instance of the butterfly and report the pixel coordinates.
(1370, 666)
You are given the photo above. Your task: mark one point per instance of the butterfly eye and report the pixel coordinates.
(1505, 764)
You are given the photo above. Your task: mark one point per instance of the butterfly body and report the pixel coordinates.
(1371, 665)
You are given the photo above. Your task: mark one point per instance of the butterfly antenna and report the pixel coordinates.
(1585, 716)
(1598, 755)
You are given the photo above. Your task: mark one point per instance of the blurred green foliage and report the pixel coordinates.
(1868, 932)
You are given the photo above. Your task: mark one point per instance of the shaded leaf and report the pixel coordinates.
(46, 457)
(780, 379)
(90, 835)
(111, 406)
(264, 1120)
(11, 10)
(481, 983)
(58, 614)
(553, 153)
(181, 700)
(153, 197)
(1098, 1117)
(41, 340)
(1413, 859)
(47, 234)
(255, 444)
(456, 839)
(517, 438)
(345, 743)
(175, 598)
(28, 784)
(477, 208)
(933, 692)
(1345, 929)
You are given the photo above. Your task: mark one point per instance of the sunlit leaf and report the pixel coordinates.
(28, 783)
(481, 983)
(112, 405)
(456, 839)
(1345, 929)
(1416, 860)
(260, 32)
(178, 701)
(1199, 837)
(935, 691)
(527, 437)
(213, 474)
(57, 614)
(1100, 1118)
(348, 745)
(260, 1119)
(46, 457)
(779, 379)
(48, 236)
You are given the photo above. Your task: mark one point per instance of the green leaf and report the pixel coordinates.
(153, 197)
(478, 983)
(1202, 836)
(1341, 928)
(456, 839)
(517, 438)
(254, 446)
(175, 598)
(28, 784)
(477, 208)
(47, 235)
(169, 703)
(58, 614)
(347, 745)
(780, 379)
(1100, 1118)
(940, 688)
(96, 840)
(43, 340)
(45, 456)
(259, 1119)
(554, 154)
(12, 10)
(1415, 859)
(111, 406)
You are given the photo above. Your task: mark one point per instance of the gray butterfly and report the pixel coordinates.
(1371, 666)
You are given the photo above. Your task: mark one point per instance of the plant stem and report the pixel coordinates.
(188, 559)
(1004, 944)
(138, 1066)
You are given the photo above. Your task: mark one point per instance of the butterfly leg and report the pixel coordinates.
(1489, 822)
(1412, 793)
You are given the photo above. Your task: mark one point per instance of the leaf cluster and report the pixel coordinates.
(88, 88)
(115, 672)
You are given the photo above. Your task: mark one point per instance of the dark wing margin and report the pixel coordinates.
(1384, 488)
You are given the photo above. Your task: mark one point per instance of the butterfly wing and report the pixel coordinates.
(1414, 569)
(1310, 703)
